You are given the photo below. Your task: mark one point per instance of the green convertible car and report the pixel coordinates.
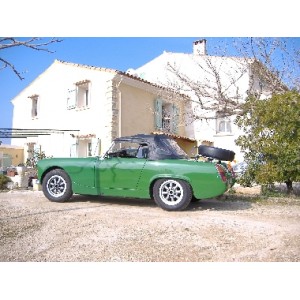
(141, 166)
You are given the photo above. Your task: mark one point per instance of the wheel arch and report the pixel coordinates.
(48, 170)
(168, 176)
(57, 185)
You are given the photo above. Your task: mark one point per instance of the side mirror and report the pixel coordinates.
(104, 156)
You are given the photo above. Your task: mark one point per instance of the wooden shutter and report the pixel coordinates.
(35, 103)
(71, 98)
(95, 147)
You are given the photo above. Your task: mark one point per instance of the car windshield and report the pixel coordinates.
(152, 147)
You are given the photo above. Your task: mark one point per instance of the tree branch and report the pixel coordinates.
(34, 43)
(10, 42)
(8, 64)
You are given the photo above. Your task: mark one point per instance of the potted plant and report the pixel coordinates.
(31, 163)
(4, 180)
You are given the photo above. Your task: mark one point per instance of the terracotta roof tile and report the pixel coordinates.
(174, 136)
(121, 73)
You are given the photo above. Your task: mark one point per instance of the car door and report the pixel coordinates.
(119, 176)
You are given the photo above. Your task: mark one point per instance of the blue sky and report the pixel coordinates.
(116, 53)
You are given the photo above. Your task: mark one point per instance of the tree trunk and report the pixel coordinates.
(289, 186)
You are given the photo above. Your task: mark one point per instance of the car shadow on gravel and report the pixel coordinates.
(114, 201)
(219, 205)
(207, 204)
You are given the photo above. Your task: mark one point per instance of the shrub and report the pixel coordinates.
(271, 139)
(3, 181)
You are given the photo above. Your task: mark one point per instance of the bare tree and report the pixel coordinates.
(217, 87)
(34, 43)
(276, 62)
(220, 83)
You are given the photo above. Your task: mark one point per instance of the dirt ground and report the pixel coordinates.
(235, 228)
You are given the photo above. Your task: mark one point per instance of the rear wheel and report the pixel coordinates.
(172, 194)
(57, 186)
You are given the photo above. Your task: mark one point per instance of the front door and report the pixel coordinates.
(118, 174)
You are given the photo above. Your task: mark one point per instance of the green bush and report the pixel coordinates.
(3, 181)
(271, 139)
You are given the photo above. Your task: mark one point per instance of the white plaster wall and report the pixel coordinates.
(52, 87)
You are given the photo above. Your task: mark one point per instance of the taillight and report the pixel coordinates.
(221, 172)
(230, 169)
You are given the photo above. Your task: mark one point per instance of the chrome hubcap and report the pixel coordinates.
(56, 186)
(171, 192)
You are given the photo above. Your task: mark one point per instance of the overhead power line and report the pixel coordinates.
(27, 132)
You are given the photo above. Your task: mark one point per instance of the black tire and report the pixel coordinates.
(195, 199)
(57, 186)
(172, 194)
(217, 153)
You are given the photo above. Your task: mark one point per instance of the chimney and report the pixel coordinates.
(199, 47)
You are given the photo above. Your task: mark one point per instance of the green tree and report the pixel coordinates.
(271, 140)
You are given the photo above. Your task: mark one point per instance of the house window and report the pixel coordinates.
(89, 149)
(83, 95)
(223, 124)
(79, 96)
(73, 150)
(34, 105)
(166, 116)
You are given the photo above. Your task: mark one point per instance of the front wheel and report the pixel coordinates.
(57, 186)
(172, 194)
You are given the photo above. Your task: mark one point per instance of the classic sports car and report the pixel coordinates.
(140, 166)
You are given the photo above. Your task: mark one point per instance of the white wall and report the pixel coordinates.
(52, 87)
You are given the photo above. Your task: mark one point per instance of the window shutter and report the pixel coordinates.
(228, 123)
(33, 108)
(35, 104)
(71, 98)
(38, 105)
(158, 114)
(95, 147)
(175, 119)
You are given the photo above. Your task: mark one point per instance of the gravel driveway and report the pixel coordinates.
(112, 230)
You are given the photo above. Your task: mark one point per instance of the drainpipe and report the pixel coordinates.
(120, 112)
(119, 106)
